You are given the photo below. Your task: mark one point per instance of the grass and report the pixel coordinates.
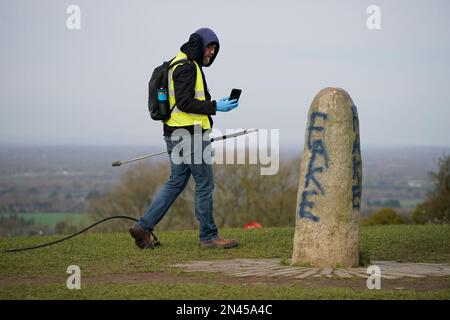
(115, 253)
(412, 243)
(210, 292)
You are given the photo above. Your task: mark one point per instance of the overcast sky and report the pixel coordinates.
(89, 86)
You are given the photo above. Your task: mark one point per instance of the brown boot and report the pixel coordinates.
(219, 243)
(141, 237)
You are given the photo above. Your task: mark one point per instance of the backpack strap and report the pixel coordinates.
(171, 65)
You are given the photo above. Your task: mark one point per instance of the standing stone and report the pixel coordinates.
(329, 193)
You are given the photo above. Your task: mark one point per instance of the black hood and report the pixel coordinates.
(198, 41)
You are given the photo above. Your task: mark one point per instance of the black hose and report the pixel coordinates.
(79, 232)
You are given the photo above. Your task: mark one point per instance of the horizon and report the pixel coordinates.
(55, 145)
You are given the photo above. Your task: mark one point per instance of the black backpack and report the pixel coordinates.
(160, 110)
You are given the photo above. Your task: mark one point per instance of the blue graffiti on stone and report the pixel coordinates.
(312, 182)
(318, 148)
(313, 128)
(305, 204)
(356, 157)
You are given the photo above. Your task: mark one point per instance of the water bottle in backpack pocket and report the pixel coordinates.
(163, 102)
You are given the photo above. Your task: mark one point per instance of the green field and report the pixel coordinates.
(48, 218)
(113, 263)
(411, 203)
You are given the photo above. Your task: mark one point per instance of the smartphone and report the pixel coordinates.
(235, 94)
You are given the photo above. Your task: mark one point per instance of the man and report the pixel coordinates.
(192, 109)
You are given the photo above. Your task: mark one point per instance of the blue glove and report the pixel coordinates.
(225, 105)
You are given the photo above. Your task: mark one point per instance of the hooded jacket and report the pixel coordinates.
(184, 78)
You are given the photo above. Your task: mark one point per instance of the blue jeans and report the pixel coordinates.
(179, 177)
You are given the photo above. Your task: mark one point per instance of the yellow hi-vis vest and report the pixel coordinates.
(179, 118)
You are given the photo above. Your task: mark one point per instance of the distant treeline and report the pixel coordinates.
(243, 195)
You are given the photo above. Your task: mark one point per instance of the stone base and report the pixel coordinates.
(273, 268)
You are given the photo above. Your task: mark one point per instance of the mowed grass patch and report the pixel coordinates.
(407, 243)
(207, 292)
(116, 253)
(111, 253)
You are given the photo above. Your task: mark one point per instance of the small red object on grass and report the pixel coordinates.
(252, 225)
